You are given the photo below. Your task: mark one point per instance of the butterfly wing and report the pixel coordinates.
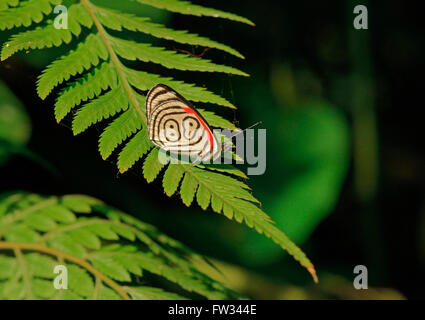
(174, 125)
(157, 95)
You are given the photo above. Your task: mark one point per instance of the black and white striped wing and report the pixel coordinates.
(174, 125)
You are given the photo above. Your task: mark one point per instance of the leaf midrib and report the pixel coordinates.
(114, 58)
(19, 246)
(206, 185)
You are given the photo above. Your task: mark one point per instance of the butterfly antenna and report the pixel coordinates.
(239, 132)
(251, 126)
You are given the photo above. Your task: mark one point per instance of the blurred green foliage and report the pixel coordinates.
(312, 146)
(15, 125)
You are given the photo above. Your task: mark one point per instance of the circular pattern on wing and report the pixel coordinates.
(171, 130)
(191, 128)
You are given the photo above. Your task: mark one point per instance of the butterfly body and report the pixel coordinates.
(174, 125)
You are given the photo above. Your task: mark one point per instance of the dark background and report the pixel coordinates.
(345, 159)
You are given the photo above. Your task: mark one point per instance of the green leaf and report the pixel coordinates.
(110, 267)
(120, 129)
(144, 81)
(188, 189)
(79, 203)
(67, 244)
(80, 281)
(43, 288)
(185, 7)
(101, 108)
(88, 53)
(88, 87)
(185, 280)
(40, 222)
(135, 149)
(215, 120)
(21, 233)
(28, 12)
(131, 50)
(86, 238)
(8, 266)
(58, 213)
(224, 168)
(103, 230)
(107, 294)
(152, 167)
(203, 197)
(13, 290)
(48, 36)
(124, 231)
(118, 21)
(5, 4)
(41, 266)
(172, 177)
(129, 263)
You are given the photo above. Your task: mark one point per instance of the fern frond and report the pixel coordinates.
(230, 197)
(144, 81)
(216, 121)
(225, 168)
(99, 261)
(131, 50)
(134, 150)
(5, 4)
(39, 38)
(185, 7)
(88, 53)
(48, 36)
(91, 85)
(28, 12)
(101, 108)
(152, 167)
(97, 65)
(118, 21)
(120, 129)
(172, 178)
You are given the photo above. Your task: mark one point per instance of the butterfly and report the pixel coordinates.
(174, 125)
